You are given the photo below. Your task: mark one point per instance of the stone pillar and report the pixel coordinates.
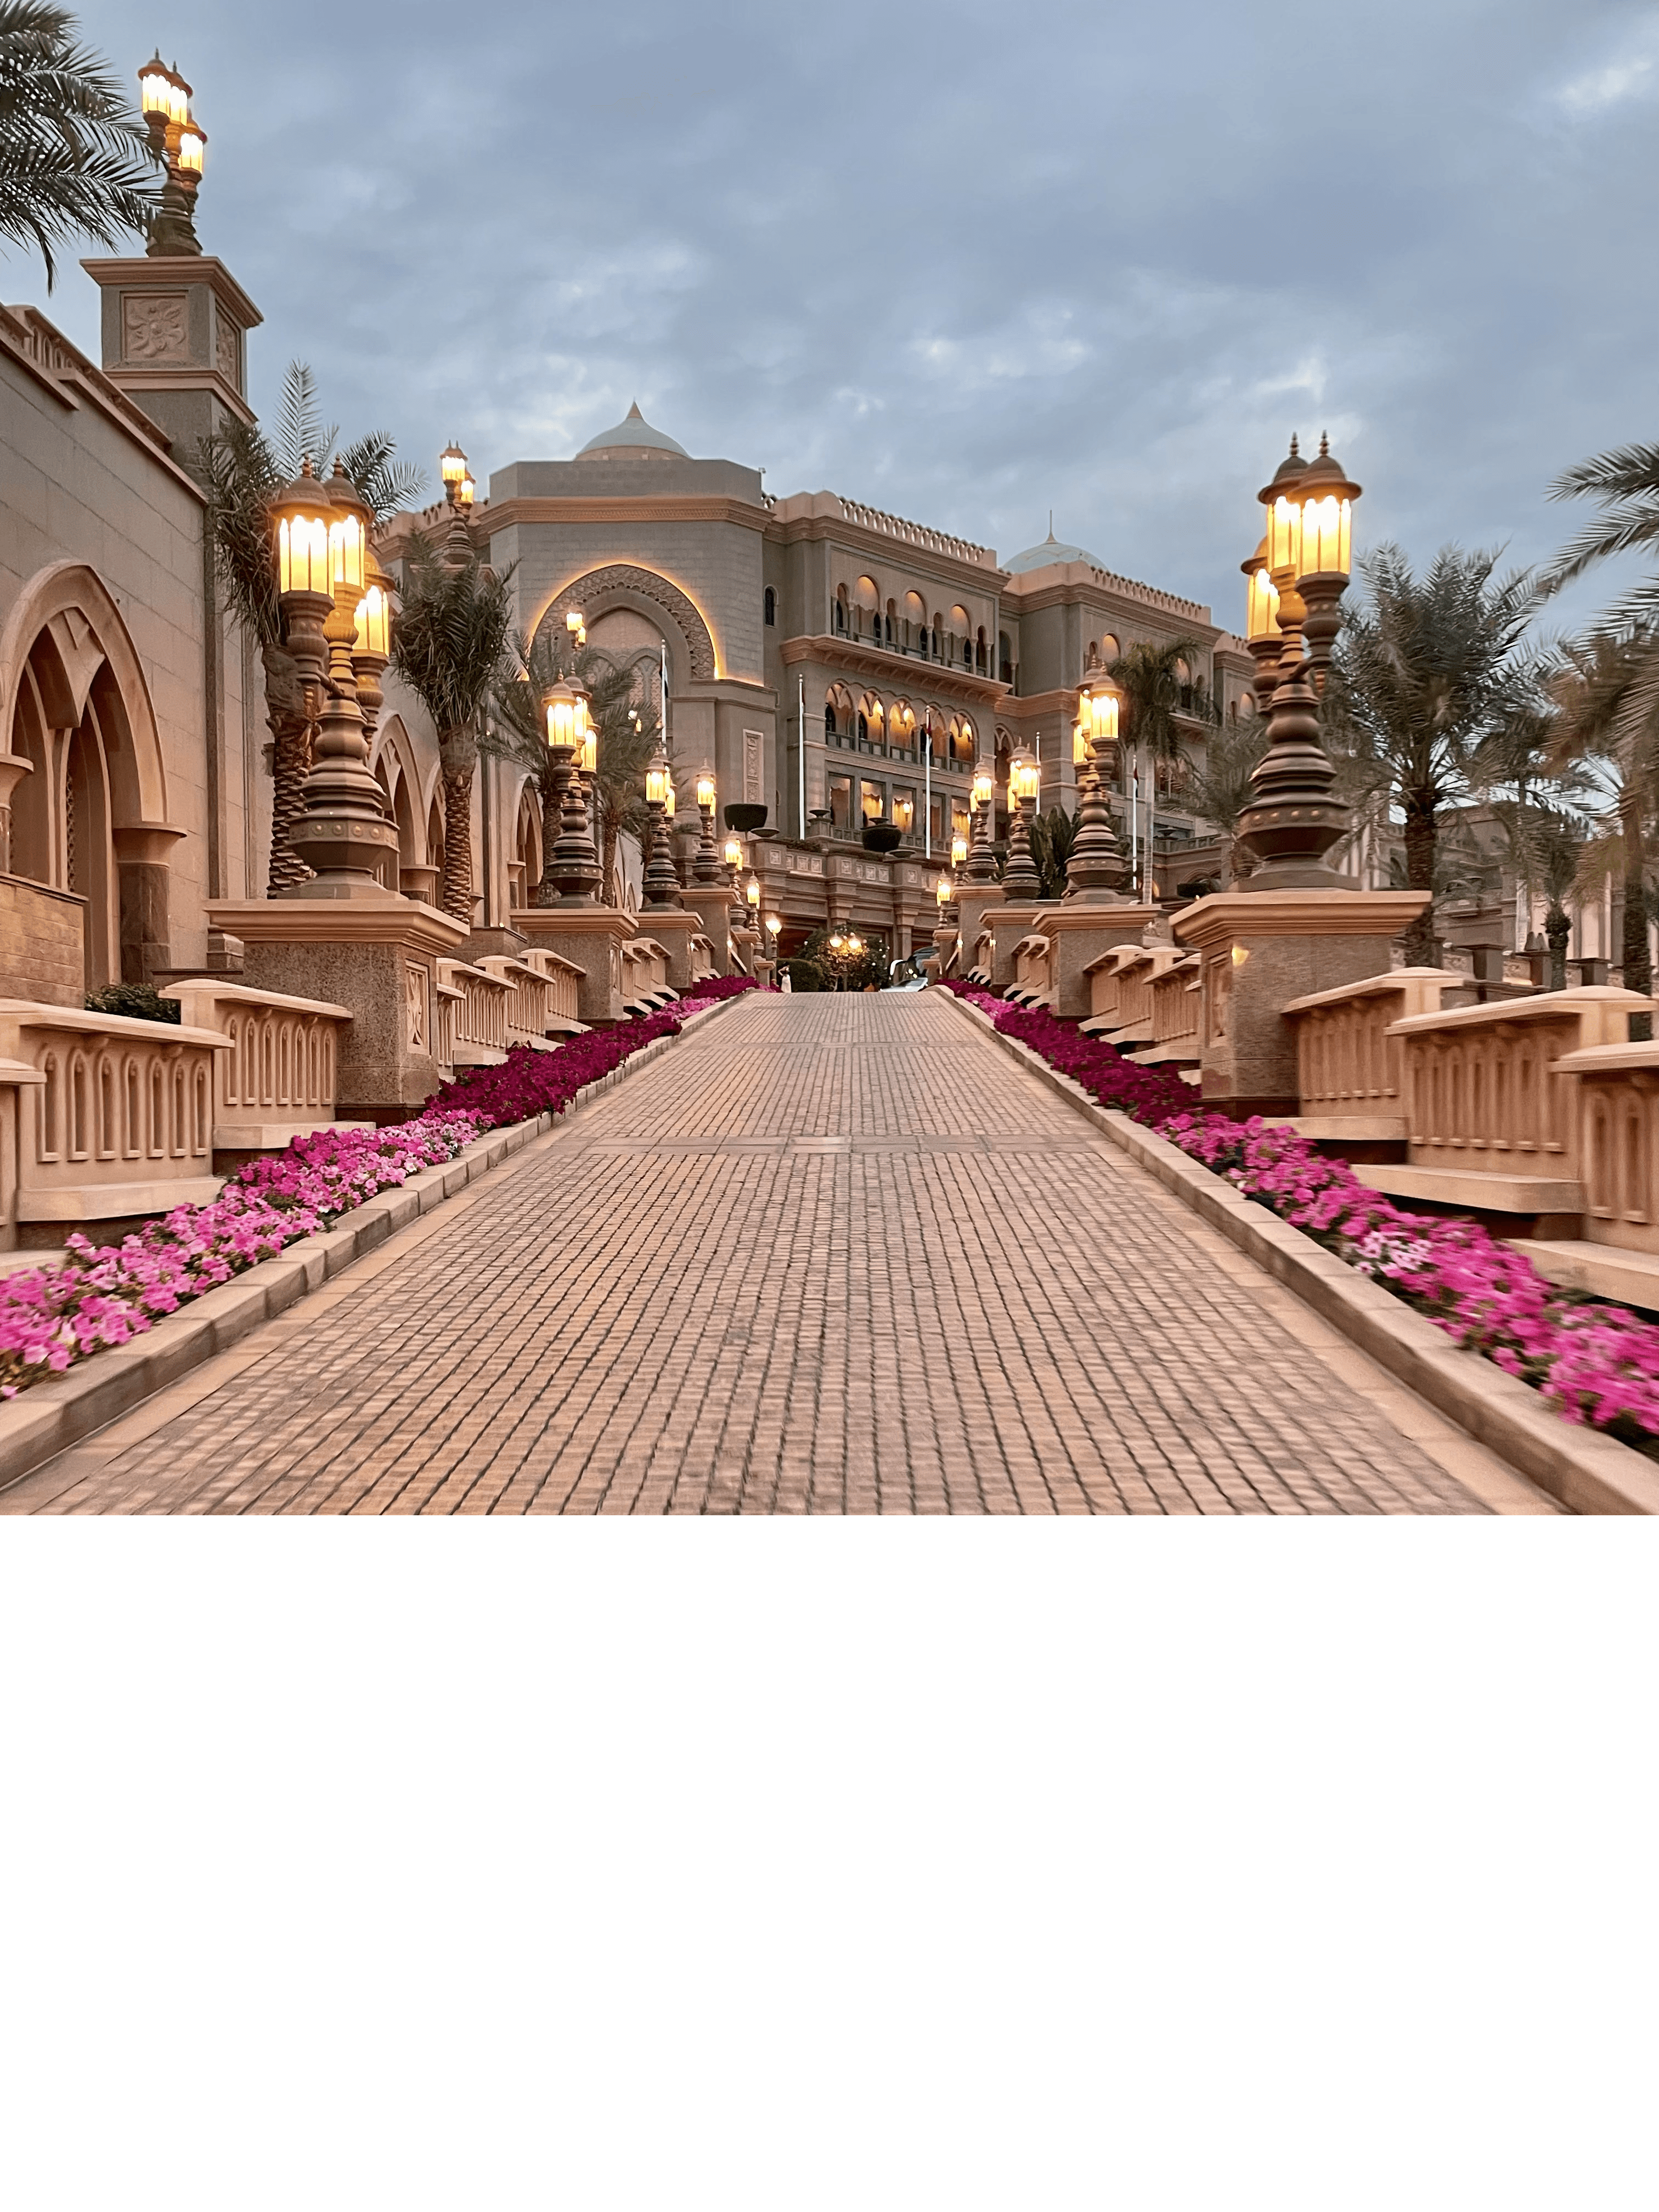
(1079, 931)
(591, 938)
(1260, 949)
(711, 903)
(145, 882)
(1013, 919)
(379, 957)
(673, 927)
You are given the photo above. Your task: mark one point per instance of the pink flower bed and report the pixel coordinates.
(1597, 1365)
(50, 1319)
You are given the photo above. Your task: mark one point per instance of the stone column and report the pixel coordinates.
(1258, 951)
(711, 903)
(145, 881)
(592, 939)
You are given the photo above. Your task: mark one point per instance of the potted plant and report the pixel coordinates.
(882, 836)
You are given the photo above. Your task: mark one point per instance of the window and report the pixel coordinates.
(938, 807)
(829, 721)
(840, 615)
(771, 606)
(840, 802)
(864, 726)
(904, 808)
(873, 799)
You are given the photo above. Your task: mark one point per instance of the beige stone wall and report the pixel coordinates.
(41, 944)
(80, 483)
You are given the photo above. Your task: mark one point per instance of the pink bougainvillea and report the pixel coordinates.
(1596, 1365)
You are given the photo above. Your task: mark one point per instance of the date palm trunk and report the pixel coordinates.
(1421, 841)
(1637, 962)
(290, 759)
(458, 755)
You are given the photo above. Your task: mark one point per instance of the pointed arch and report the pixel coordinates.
(623, 583)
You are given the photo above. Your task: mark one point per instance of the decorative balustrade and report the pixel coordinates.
(1176, 997)
(102, 1119)
(645, 975)
(563, 981)
(702, 951)
(473, 1007)
(1351, 1067)
(277, 1080)
(1033, 971)
(526, 1000)
(1105, 988)
(1615, 1090)
(1492, 1121)
(1136, 974)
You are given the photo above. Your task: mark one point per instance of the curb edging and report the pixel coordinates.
(1585, 1471)
(49, 1417)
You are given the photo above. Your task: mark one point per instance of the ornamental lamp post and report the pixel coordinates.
(344, 832)
(178, 140)
(572, 863)
(1020, 878)
(958, 851)
(1263, 635)
(706, 868)
(753, 893)
(662, 885)
(1095, 866)
(371, 647)
(982, 868)
(1293, 819)
(452, 467)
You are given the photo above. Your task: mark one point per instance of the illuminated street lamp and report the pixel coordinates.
(574, 863)
(371, 647)
(1262, 634)
(1019, 877)
(662, 885)
(982, 868)
(706, 868)
(345, 832)
(179, 141)
(1294, 819)
(1096, 867)
(959, 850)
(452, 467)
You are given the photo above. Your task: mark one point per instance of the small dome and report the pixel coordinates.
(1049, 553)
(633, 430)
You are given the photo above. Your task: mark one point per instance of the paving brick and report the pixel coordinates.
(829, 1254)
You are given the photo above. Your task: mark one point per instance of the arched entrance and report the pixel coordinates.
(88, 814)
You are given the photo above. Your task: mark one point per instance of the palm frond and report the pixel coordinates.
(302, 435)
(386, 483)
(75, 160)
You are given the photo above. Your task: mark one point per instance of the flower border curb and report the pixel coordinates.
(47, 1418)
(1586, 1472)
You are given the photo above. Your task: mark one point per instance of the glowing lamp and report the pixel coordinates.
(706, 794)
(753, 893)
(587, 739)
(855, 943)
(562, 701)
(1024, 778)
(1327, 496)
(658, 783)
(192, 143)
(375, 624)
(734, 854)
(838, 943)
(942, 891)
(302, 514)
(466, 491)
(452, 467)
(572, 621)
(1101, 702)
(163, 95)
(1282, 499)
(959, 850)
(904, 810)
(1261, 600)
(983, 791)
(348, 534)
(774, 925)
(1080, 737)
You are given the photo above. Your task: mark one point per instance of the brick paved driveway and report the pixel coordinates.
(828, 1255)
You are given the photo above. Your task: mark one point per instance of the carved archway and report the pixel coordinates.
(621, 581)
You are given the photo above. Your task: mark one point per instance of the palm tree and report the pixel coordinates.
(1607, 719)
(1052, 835)
(1220, 789)
(1428, 675)
(1610, 689)
(1547, 847)
(74, 161)
(449, 645)
(243, 469)
(1159, 690)
(625, 736)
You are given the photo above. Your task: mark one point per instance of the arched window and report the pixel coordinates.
(829, 721)
(840, 614)
(771, 607)
(864, 726)
(979, 650)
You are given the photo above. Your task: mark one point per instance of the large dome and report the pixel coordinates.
(634, 431)
(1048, 554)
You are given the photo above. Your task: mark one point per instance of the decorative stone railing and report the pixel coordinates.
(1615, 1110)
(1105, 987)
(1350, 1068)
(102, 1119)
(701, 951)
(645, 975)
(563, 981)
(1492, 1122)
(475, 1034)
(277, 1080)
(1138, 970)
(526, 1000)
(1033, 971)
(1176, 996)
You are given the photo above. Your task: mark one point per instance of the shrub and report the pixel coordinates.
(137, 1000)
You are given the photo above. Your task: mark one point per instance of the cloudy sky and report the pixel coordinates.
(966, 262)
